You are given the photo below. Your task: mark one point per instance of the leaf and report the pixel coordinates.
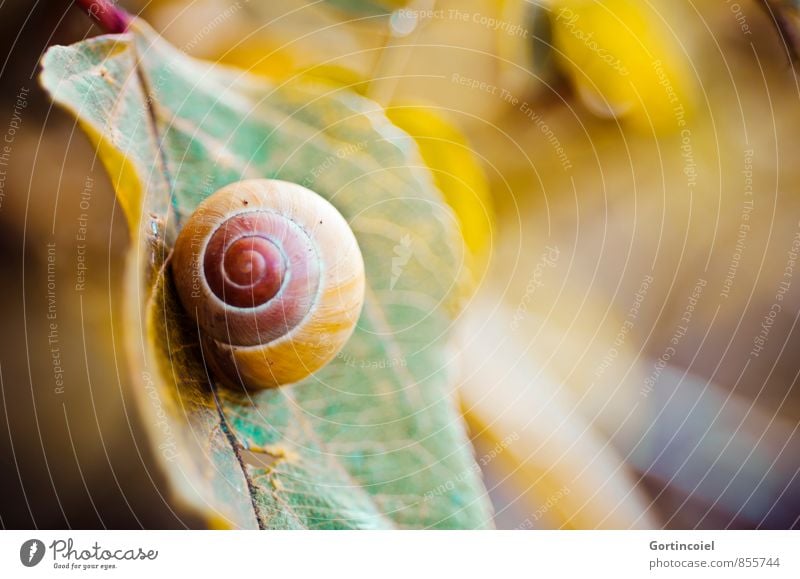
(374, 439)
(625, 61)
(457, 173)
(558, 463)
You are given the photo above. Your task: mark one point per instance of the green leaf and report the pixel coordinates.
(373, 440)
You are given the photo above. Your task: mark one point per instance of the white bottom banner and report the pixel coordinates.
(403, 554)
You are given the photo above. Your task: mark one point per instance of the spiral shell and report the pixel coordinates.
(274, 278)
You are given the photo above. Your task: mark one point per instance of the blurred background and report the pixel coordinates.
(625, 177)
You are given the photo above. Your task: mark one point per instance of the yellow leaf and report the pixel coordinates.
(624, 61)
(456, 171)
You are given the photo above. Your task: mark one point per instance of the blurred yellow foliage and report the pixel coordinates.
(456, 172)
(624, 61)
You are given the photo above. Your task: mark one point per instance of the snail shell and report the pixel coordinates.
(274, 278)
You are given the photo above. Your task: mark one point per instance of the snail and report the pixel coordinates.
(274, 278)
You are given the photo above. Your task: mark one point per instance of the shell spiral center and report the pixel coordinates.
(243, 269)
